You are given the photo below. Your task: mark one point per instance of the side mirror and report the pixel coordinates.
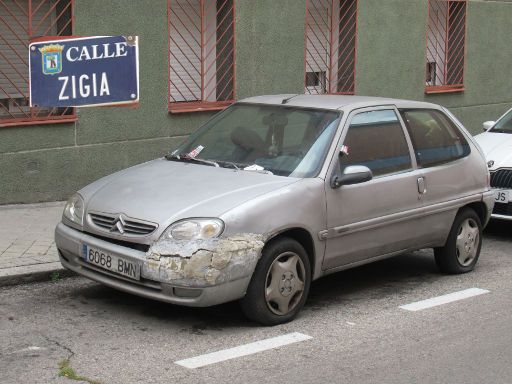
(488, 125)
(353, 174)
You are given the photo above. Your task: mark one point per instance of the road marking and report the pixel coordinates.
(242, 350)
(29, 349)
(444, 299)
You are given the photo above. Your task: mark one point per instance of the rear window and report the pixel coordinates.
(435, 137)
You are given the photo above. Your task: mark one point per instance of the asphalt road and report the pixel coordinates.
(359, 333)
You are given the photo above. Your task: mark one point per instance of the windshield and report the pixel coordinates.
(504, 125)
(282, 140)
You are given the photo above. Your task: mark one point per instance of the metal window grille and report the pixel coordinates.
(446, 45)
(21, 21)
(330, 46)
(201, 54)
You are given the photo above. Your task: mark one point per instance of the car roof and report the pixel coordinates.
(335, 102)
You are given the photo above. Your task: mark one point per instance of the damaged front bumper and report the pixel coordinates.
(194, 273)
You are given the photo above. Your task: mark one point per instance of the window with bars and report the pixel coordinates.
(201, 54)
(446, 43)
(21, 21)
(330, 46)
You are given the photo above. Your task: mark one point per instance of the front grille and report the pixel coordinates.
(502, 209)
(127, 244)
(502, 179)
(122, 224)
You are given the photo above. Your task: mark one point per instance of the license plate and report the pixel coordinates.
(502, 196)
(112, 263)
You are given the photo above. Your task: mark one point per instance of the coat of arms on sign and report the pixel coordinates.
(52, 58)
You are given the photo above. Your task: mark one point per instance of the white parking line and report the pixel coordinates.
(242, 350)
(439, 300)
(29, 349)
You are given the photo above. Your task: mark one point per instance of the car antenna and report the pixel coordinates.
(288, 99)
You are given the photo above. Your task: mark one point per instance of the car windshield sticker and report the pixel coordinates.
(192, 154)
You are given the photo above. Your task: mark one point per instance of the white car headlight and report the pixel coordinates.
(194, 229)
(74, 209)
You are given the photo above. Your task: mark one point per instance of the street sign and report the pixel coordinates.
(84, 72)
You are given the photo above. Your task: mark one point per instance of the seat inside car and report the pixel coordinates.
(248, 145)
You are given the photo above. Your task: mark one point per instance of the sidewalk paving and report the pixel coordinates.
(27, 247)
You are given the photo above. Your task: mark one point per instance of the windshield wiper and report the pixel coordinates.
(224, 163)
(178, 157)
(500, 130)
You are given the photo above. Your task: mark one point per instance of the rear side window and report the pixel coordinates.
(376, 139)
(435, 138)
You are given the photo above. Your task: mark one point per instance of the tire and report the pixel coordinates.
(462, 249)
(279, 285)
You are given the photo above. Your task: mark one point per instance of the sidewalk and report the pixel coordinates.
(27, 247)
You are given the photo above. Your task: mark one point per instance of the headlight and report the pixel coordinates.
(194, 229)
(74, 209)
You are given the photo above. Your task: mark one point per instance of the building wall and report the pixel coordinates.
(50, 162)
(391, 57)
(270, 47)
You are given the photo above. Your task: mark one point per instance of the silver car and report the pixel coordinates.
(277, 191)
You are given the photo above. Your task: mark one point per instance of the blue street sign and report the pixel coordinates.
(86, 71)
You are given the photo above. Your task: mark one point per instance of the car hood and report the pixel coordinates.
(164, 191)
(497, 147)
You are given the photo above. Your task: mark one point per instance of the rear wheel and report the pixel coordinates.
(279, 285)
(462, 249)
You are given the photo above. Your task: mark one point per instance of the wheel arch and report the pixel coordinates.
(481, 210)
(303, 237)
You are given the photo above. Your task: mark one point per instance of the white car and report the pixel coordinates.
(496, 142)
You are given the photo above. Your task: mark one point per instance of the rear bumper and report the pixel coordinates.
(150, 285)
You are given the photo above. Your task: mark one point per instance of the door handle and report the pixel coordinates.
(422, 186)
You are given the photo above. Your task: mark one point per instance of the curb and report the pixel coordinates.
(49, 204)
(33, 273)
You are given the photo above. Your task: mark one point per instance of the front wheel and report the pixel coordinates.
(279, 285)
(462, 249)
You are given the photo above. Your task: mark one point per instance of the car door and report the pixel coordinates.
(441, 152)
(380, 216)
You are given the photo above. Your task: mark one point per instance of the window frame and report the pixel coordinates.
(34, 118)
(330, 84)
(175, 107)
(453, 125)
(445, 87)
(405, 132)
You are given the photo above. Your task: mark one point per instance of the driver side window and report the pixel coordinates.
(376, 140)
